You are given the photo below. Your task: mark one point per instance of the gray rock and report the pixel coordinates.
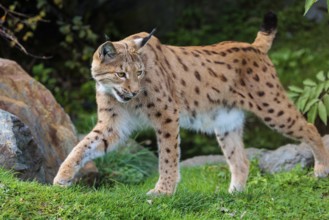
(255, 153)
(18, 150)
(252, 153)
(202, 160)
(34, 105)
(286, 158)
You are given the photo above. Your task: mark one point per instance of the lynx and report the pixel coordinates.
(141, 82)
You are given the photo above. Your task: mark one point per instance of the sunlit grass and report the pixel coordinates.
(201, 194)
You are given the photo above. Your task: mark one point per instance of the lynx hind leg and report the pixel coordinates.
(295, 126)
(279, 113)
(231, 143)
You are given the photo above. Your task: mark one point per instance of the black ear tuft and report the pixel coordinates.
(145, 39)
(107, 38)
(270, 22)
(107, 49)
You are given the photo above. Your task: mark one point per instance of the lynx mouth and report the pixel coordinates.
(123, 98)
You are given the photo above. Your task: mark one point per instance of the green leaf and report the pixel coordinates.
(328, 5)
(319, 90)
(301, 103)
(313, 93)
(310, 104)
(322, 112)
(320, 75)
(307, 91)
(77, 20)
(325, 100)
(65, 29)
(82, 34)
(326, 85)
(308, 82)
(308, 5)
(69, 38)
(292, 95)
(311, 115)
(295, 89)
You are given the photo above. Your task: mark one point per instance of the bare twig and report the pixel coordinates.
(8, 35)
(18, 14)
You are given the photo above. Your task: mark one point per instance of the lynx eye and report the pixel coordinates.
(139, 73)
(121, 74)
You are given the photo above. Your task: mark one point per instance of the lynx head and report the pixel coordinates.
(118, 69)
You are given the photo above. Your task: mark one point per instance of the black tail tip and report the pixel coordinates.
(270, 22)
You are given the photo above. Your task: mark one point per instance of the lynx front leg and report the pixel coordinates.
(98, 142)
(108, 132)
(169, 153)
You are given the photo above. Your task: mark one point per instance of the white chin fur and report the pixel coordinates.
(103, 89)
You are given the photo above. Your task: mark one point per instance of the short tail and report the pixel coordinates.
(266, 34)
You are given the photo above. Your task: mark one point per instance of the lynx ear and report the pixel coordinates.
(140, 42)
(107, 49)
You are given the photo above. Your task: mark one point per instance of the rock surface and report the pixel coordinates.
(289, 156)
(51, 128)
(252, 153)
(18, 150)
(284, 158)
(202, 160)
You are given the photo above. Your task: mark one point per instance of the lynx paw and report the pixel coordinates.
(238, 182)
(63, 179)
(321, 170)
(162, 189)
(236, 188)
(62, 183)
(159, 192)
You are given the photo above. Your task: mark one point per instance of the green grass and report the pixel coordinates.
(201, 194)
(129, 164)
